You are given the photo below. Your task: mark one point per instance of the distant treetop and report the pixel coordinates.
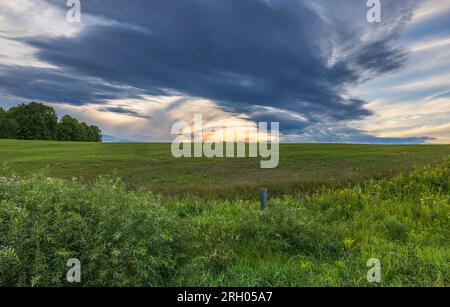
(35, 121)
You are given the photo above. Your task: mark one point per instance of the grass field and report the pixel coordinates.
(302, 167)
(386, 202)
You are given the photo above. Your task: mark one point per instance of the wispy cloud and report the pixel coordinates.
(424, 45)
(425, 83)
(431, 9)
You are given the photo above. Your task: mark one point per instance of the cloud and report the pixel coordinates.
(125, 111)
(338, 133)
(431, 9)
(439, 42)
(436, 132)
(435, 81)
(239, 54)
(378, 57)
(58, 86)
(290, 61)
(291, 121)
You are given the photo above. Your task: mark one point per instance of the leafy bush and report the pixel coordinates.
(120, 238)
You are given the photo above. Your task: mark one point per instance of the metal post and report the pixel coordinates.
(263, 198)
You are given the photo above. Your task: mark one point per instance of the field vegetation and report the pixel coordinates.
(129, 237)
(303, 168)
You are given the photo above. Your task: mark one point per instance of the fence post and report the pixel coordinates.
(263, 198)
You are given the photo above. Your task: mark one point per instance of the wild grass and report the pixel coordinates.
(303, 168)
(134, 238)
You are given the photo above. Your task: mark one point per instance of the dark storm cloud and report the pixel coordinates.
(125, 111)
(239, 53)
(290, 122)
(56, 86)
(377, 57)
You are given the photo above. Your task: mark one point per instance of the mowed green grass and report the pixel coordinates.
(302, 168)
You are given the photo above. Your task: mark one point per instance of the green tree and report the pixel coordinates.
(96, 134)
(8, 126)
(85, 132)
(35, 121)
(69, 129)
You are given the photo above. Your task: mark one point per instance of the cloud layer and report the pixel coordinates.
(275, 60)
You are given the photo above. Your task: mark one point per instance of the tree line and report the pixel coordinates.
(35, 121)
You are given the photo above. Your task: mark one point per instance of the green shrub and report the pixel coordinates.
(120, 238)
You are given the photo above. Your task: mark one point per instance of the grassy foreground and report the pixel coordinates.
(132, 238)
(303, 167)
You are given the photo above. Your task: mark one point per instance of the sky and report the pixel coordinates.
(319, 68)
